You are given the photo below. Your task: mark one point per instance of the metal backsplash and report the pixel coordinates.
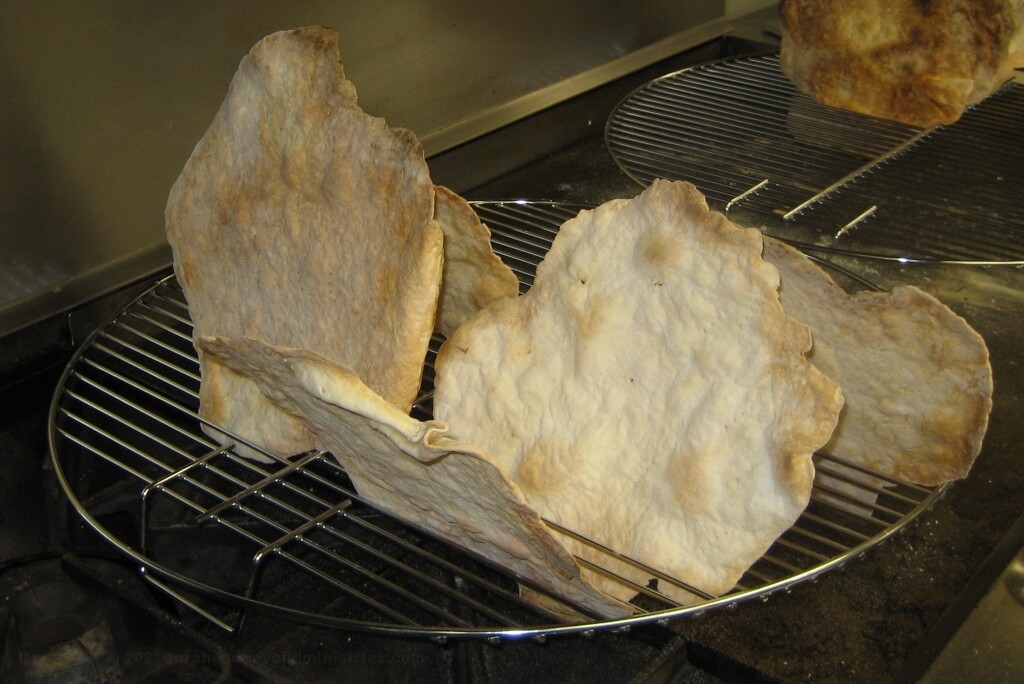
(101, 103)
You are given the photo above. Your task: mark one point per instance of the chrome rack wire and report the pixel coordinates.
(226, 535)
(742, 133)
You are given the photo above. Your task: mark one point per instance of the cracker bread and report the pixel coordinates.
(648, 392)
(413, 469)
(918, 62)
(916, 376)
(474, 276)
(301, 221)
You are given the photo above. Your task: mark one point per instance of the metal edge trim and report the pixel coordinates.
(462, 131)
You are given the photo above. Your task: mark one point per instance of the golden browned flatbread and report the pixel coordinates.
(916, 376)
(474, 276)
(413, 469)
(301, 221)
(921, 62)
(648, 392)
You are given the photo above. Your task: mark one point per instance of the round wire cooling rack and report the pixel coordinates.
(226, 535)
(839, 181)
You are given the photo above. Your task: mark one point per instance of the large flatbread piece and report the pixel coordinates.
(918, 62)
(474, 275)
(413, 469)
(648, 392)
(916, 376)
(301, 221)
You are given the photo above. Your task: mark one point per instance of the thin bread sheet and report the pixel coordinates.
(301, 221)
(916, 376)
(414, 470)
(648, 392)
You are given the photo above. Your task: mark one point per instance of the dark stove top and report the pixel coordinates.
(885, 617)
(73, 611)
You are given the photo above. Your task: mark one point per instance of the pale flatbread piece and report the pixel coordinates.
(413, 469)
(301, 221)
(648, 392)
(916, 376)
(474, 275)
(918, 62)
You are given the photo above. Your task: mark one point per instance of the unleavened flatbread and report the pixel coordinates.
(474, 275)
(413, 469)
(916, 376)
(648, 392)
(921, 63)
(301, 221)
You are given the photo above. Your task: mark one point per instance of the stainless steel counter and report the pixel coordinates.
(102, 103)
(987, 633)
